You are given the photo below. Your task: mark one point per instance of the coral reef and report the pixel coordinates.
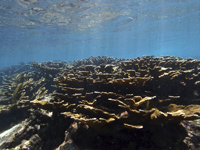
(149, 100)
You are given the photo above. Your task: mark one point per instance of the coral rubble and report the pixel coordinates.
(105, 97)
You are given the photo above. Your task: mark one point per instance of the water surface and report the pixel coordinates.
(47, 30)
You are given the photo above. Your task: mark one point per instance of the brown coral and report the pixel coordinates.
(99, 95)
(106, 96)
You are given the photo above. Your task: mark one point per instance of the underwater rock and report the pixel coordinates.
(193, 132)
(9, 135)
(12, 135)
(68, 143)
(34, 142)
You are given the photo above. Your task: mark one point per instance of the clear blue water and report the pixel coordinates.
(47, 30)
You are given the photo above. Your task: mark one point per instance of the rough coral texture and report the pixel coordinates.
(144, 103)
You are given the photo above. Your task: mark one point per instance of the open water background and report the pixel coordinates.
(47, 30)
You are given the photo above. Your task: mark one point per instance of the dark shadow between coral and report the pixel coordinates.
(151, 137)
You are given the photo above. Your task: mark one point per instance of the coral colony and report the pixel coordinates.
(102, 102)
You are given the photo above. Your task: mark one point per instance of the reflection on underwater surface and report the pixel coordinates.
(93, 16)
(45, 30)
